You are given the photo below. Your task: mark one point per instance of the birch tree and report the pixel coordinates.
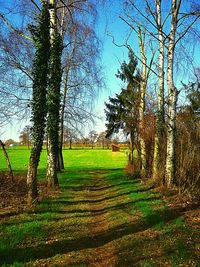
(53, 97)
(81, 76)
(172, 96)
(63, 104)
(167, 31)
(160, 118)
(143, 88)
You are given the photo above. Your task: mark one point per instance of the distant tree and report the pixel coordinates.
(68, 136)
(85, 141)
(92, 136)
(25, 136)
(10, 142)
(101, 139)
(115, 140)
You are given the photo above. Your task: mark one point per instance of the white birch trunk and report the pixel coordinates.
(52, 14)
(52, 179)
(157, 162)
(142, 104)
(172, 99)
(51, 174)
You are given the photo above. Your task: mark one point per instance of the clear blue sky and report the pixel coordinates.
(109, 22)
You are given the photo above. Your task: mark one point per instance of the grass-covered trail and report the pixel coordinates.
(100, 218)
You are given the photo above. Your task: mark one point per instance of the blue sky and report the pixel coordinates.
(108, 22)
(112, 55)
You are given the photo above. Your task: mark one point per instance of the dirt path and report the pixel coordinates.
(102, 219)
(98, 199)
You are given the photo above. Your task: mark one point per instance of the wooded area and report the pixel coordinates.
(51, 74)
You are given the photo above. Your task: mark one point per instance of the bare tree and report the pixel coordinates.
(81, 76)
(92, 136)
(25, 136)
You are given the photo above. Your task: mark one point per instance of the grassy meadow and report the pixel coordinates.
(100, 217)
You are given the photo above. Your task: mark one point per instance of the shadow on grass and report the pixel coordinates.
(64, 206)
(98, 210)
(53, 248)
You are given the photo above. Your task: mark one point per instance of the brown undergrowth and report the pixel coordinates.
(13, 194)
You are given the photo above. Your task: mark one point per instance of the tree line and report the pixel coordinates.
(50, 73)
(70, 139)
(163, 132)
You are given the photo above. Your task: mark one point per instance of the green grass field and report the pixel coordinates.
(101, 217)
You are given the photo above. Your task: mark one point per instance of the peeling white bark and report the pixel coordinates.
(52, 14)
(160, 97)
(172, 98)
(51, 174)
(51, 168)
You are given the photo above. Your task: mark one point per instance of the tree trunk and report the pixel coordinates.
(172, 100)
(53, 98)
(70, 143)
(52, 179)
(31, 179)
(33, 166)
(131, 148)
(7, 161)
(142, 105)
(62, 114)
(39, 108)
(160, 120)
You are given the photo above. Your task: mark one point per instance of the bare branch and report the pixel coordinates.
(13, 28)
(187, 29)
(130, 49)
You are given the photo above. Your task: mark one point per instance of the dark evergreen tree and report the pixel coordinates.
(40, 35)
(122, 111)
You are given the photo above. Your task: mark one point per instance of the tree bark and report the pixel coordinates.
(160, 120)
(52, 179)
(53, 98)
(39, 108)
(142, 104)
(62, 115)
(31, 177)
(131, 148)
(7, 161)
(67, 70)
(172, 99)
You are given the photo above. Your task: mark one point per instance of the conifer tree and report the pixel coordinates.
(122, 112)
